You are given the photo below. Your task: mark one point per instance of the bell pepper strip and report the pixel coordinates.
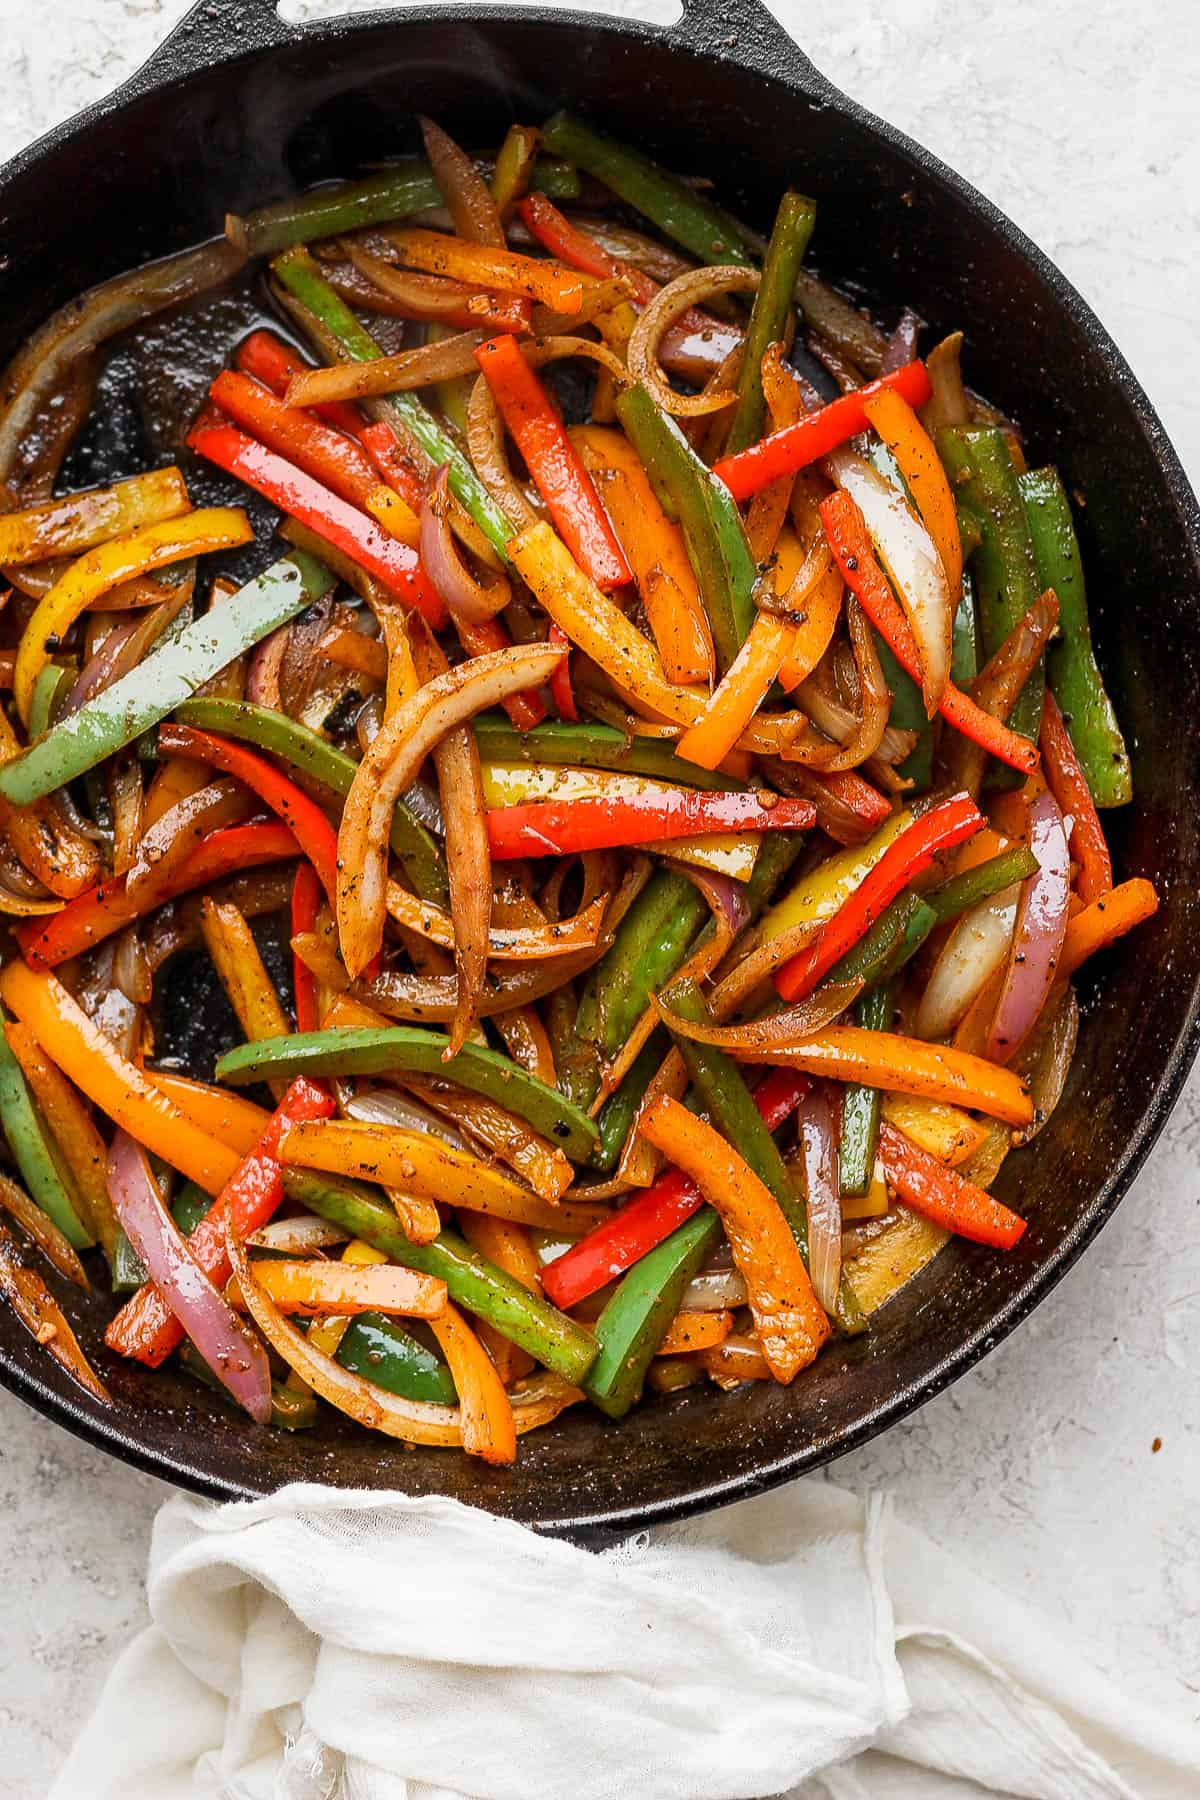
(170, 675)
(884, 947)
(553, 462)
(524, 709)
(300, 276)
(819, 608)
(740, 692)
(678, 210)
(408, 1049)
(862, 1106)
(507, 1246)
(306, 900)
(240, 968)
(69, 524)
(267, 359)
(1005, 568)
(890, 414)
(355, 650)
(616, 1115)
(562, 828)
(638, 1316)
(980, 882)
(42, 1170)
(791, 1323)
(712, 527)
(592, 746)
(230, 1118)
(945, 1196)
(937, 830)
(814, 436)
(90, 1059)
(1074, 675)
(145, 1328)
(302, 816)
(655, 550)
(1100, 924)
(70, 1126)
(323, 511)
(1066, 780)
(393, 464)
(482, 266)
(106, 909)
(381, 1350)
(324, 763)
(472, 1280)
(100, 570)
(321, 450)
(561, 691)
(312, 1289)
(946, 1132)
(44, 1319)
(692, 1331)
(846, 785)
(488, 1429)
(818, 895)
(769, 316)
(851, 545)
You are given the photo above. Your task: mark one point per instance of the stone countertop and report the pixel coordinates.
(1079, 121)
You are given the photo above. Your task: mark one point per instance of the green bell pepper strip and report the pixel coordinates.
(862, 1105)
(405, 187)
(33, 1150)
(381, 1351)
(870, 960)
(377, 1050)
(299, 274)
(777, 853)
(706, 512)
(677, 210)
(591, 746)
(635, 1320)
(964, 654)
(314, 756)
(619, 1111)
(1006, 574)
(169, 676)
(908, 714)
(190, 1205)
(48, 689)
(473, 1282)
(970, 528)
(1074, 675)
(980, 883)
(773, 303)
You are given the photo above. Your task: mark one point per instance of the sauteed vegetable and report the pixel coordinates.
(667, 741)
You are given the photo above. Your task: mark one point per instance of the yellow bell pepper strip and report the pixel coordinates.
(563, 828)
(42, 1170)
(790, 1321)
(1066, 780)
(769, 316)
(171, 674)
(230, 1118)
(656, 552)
(70, 1125)
(823, 891)
(916, 456)
(312, 1289)
(242, 972)
(481, 266)
(1105, 920)
(42, 1316)
(944, 1196)
(740, 692)
(426, 1166)
(944, 1131)
(507, 1246)
(90, 1059)
(100, 570)
(72, 523)
(488, 1427)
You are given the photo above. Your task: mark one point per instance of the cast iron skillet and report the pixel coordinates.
(235, 109)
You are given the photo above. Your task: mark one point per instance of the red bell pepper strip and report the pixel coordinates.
(940, 1193)
(846, 785)
(939, 829)
(561, 690)
(146, 1328)
(846, 531)
(94, 916)
(553, 462)
(632, 1233)
(306, 499)
(525, 710)
(319, 449)
(306, 899)
(302, 816)
(815, 435)
(565, 827)
(1068, 783)
(392, 464)
(269, 360)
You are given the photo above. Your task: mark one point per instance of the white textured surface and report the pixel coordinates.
(1079, 120)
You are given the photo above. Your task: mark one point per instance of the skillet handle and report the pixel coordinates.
(213, 31)
(748, 33)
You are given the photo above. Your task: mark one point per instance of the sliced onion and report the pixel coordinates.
(902, 344)
(372, 284)
(467, 195)
(302, 1236)
(1045, 1061)
(975, 949)
(687, 290)
(380, 1106)
(758, 965)
(485, 440)
(910, 557)
(875, 700)
(444, 360)
(262, 681)
(467, 599)
(131, 970)
(44, 1319)
(171, 839)
(715, 1290)
(1000, 682)
(300, 663)
(44, 1232)
(778, 1031)
(947, 405)
(1038, 939)
(818, 1139)
(238, 1362)
(835, 817)
(100, 671)
(435, 998)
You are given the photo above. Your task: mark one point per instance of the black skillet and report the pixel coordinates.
(237, 109)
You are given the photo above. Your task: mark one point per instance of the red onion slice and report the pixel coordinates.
(472, 601)
(1038, 938)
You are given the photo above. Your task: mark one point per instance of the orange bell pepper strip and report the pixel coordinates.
(102, 569)
(313, 1289)
(1068, 783)
(488, 1428)
(1105, 920)
(228, 1117)
(655, 550)
(846, 530)
(72, 523)
(911, 445)
(509, 1247)
(354, 649)
(790, 1320)
(483, 267)
(820, 608)
(393, 512)
(145, 1328)
(242, 973)
(692, 1331)
(266, 358)
(91, 1060)
(814, 436)
(740, 692)
(553, 462)
(945, 1196)
(313, 832)
(306, 899)
(71, 1126)
(317, 448)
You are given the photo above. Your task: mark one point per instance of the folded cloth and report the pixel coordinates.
(333, 1645)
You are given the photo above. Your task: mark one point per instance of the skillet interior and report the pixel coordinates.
(234, 111)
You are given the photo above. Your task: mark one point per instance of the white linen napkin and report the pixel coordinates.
(334, 1645)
